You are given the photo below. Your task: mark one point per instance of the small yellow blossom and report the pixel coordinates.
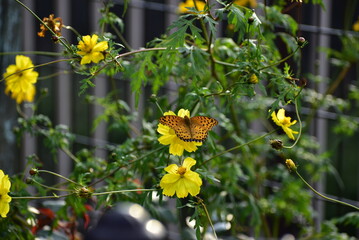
(251, 3)
(20, 82)
(181, 180)
(4, 197)
(356, 26)
(91, 50)
(183, 6)
(177, 146)
(285, 122)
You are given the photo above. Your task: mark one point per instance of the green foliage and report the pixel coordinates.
(239, 79)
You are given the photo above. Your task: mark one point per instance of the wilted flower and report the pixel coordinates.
(55, 24)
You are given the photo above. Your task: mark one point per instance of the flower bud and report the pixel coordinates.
(291, 165)
(33, 171)
(250, 20)
(301, 41)
(84, 192)
(276, 144)
(253, 79)
(28, 180)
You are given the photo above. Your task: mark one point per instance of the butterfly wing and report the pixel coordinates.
(179, 125)
(200, 126)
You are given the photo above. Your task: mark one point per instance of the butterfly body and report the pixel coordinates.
(194, 129)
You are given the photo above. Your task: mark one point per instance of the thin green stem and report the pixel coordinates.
(73, 30)
(69, 153)
(50, 188)
(280, 61)
(60, 176)
(123, 191)
(53, 54)
(139, 51)
(208, 216)
(42, 197)
(124, 165)
(300, 122)
(325, 197)
(237, 147)
(36, 66)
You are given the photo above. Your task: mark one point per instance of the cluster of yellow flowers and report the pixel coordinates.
(20, 78)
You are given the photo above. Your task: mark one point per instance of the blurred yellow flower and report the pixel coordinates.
(356, 26)
(251, 3)
(183, 6)
(4, 197)
(181, 180)
(177, 146)
(20, 82)
(285, 122)
(91, 50)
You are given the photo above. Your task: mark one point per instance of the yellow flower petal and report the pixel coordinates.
(284, 122)
(91, 50)
(4, 197)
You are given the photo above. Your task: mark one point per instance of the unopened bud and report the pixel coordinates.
(85, 192)
(28, 180)
(291, 165)
(33, 171)
(301, 42)
(253, 79)
(276, 144)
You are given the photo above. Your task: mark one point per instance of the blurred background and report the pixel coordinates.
(144, 21)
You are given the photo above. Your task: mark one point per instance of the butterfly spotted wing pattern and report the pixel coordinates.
(189, 129)
(200, 126)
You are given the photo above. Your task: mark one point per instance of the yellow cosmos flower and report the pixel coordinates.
(285, 122)
(21, 83)
(181, 180)
(177, 146)
(356, 26)
(183, 6)
(251, 3)
(91, 50)
(4, 197)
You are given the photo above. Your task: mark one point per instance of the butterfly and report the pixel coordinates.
(194, 129)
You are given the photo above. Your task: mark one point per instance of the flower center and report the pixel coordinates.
(286, 121)
(181, 170)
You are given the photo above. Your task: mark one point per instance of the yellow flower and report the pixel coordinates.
(4, 197)
(177, 146)
(181, 180)
(21, 83)
(251, 3)
(356, 26)
(183, 6)
(285, 122)
(91, 50)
